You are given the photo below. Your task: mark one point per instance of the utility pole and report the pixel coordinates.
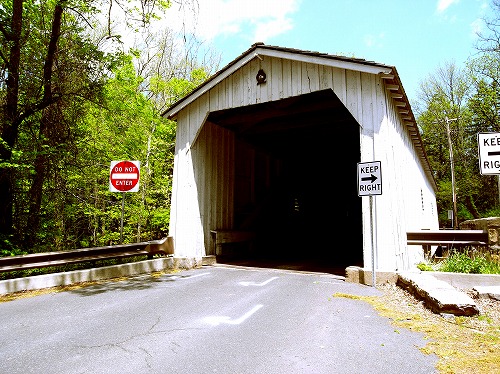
(454, 195)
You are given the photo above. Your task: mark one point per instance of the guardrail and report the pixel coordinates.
(39, 260)
(447, 238)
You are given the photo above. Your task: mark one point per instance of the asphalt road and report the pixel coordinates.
(217, 319)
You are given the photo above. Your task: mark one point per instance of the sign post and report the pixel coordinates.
(370, 184)
(124, 177)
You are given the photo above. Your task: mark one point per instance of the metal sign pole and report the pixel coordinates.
(369, 184)
(121, 223)
(374, 283)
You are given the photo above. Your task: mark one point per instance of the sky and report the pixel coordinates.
(415, 36)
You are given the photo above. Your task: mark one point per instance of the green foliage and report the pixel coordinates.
(493, 212)
(93, 109)
(459, 104)
(465, 261)
(7, 248)
(423, 266)
(470, 262)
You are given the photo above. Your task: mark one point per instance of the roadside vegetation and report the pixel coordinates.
(469, 261)
(84, 83)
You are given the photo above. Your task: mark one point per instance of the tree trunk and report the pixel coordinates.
(10, 126)
(36, 188)
(472, 207)
(12, 118)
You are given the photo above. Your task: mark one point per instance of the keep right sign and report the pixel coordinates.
(489, 152)
(369, 178)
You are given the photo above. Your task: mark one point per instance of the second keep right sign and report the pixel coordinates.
(489, 152)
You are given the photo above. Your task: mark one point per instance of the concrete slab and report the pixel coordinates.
(467, 281)
(439, 296)
(487, 292)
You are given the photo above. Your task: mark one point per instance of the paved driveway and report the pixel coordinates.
(217, 319)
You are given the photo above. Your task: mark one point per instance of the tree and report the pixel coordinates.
(471, 98)
(443, 116)
(489, 41)
(41, 42)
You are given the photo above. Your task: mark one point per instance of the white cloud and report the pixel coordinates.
(212, 18)
(442, 5)
(268, 29)
(374, 40)
(477, 26)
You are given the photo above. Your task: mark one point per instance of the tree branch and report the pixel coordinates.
(51, 52)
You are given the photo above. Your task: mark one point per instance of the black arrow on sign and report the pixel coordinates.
(494, 153)
(372, 178)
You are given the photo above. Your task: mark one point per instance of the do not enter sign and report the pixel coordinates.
(124, 176)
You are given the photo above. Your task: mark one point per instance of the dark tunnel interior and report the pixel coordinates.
(305, 208)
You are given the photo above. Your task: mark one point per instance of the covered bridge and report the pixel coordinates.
(268, 148)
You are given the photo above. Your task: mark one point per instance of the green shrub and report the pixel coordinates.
(423, 266)
(470, 262)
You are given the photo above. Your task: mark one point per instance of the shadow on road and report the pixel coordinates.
(298, 264)
(139, 282)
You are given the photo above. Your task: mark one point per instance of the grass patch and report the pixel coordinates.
(468, 261)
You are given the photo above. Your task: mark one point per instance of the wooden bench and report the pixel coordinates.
(446, 238)
(222, 237)
(46, 259)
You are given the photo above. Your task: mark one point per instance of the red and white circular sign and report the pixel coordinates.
(124, 176)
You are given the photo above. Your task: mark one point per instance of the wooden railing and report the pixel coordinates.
(447, 238)
(46, 259)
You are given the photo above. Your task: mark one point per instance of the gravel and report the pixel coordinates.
(400, 299)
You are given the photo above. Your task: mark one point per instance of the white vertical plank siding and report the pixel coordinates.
(339, 84)
(296, 78)
(370, 125)
(250, 94)
(211, 181)
(203, 182)
(205, 159)
(196, 229)
(353, 94)
(388, 212)
(390, 209)
(237, 87)
(197, 149)
(325, 77)
(286, 78)
(188, 224)
(310, 77)
(276, 83)
(264, 91)
(227, 92)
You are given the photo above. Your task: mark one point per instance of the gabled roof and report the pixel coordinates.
(260, 49)
(388, 73)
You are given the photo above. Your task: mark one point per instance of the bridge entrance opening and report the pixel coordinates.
(296, 183)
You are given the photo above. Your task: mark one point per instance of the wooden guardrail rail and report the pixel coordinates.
(38, 260)
(447, 238)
